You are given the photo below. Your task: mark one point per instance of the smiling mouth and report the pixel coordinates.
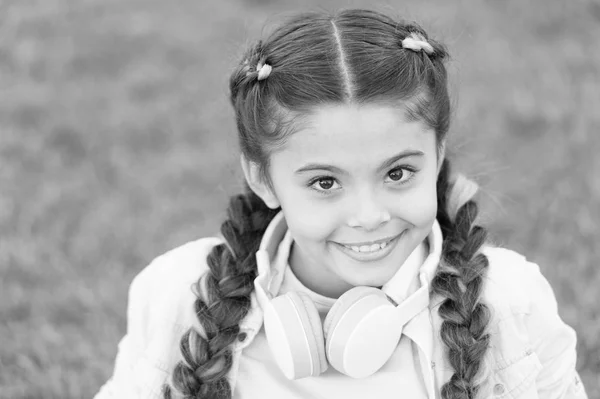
(378, 246)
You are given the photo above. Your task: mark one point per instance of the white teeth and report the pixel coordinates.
(368, 248)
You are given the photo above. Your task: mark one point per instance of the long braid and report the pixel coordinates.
(460, 280)
(227, 287)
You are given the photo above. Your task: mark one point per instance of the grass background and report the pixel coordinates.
(117, 143)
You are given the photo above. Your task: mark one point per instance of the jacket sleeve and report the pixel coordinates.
(160, 309)
(122, 383)
(553, 341)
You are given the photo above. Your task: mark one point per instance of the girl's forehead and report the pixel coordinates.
(354, 133)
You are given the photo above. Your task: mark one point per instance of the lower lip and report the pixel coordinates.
(371, 256)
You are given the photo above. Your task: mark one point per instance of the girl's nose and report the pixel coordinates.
(368, 213)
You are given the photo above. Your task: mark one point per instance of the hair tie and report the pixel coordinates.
(264, 70)
(417, 42)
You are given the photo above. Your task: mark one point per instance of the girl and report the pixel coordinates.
(352, 266)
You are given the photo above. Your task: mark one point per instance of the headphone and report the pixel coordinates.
(362, 329)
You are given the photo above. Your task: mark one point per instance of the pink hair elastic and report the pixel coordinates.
(417, 42)
(264, 70)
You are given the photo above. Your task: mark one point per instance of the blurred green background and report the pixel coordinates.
(117, 143)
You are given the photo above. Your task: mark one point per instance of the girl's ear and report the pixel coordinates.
(258, 184)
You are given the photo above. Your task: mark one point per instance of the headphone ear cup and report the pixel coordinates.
(314, 320)
(344, 302)
(360, 333)
(295, 335)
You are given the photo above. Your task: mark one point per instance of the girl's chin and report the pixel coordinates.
(370, 279)
(374, 274)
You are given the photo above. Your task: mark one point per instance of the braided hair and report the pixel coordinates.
(353, 57)
(459, 280)
(227, 287)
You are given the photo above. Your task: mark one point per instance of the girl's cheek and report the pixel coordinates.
(310, 219)
(314, 222)
(419, 207)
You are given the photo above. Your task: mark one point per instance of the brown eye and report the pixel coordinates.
(396, 174)
(325, 184)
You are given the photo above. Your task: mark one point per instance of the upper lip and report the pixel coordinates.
(358, 244)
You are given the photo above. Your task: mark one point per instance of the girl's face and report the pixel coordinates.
(357, 186)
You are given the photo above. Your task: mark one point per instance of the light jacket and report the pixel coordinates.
(532, 349)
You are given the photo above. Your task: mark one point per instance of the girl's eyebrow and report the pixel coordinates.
(334, 169)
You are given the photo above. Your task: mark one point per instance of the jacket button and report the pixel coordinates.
(242, 336)
(498, 389)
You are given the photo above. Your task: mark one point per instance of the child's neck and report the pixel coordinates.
(314, 276)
